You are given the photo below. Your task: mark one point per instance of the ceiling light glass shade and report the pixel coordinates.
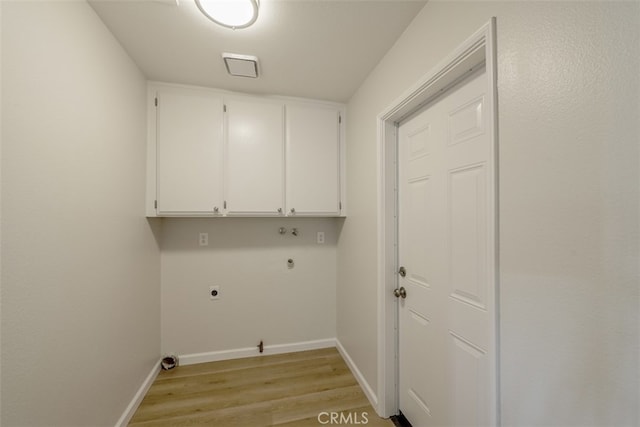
(230, 13)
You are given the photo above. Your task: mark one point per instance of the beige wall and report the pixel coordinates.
(568, 82)
(260, 297)
(80, 265)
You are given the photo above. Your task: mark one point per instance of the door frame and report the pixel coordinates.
(477, 51)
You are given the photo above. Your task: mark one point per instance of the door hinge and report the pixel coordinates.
(340, 205)
(225, 204)
(224, 108)
(339, 118)
(156, 101)
(155, 204)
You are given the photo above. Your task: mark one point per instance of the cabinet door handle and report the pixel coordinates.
(293, 210)
(279, 210)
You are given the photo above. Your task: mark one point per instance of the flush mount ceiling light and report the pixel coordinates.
(241, 65)
(234, 14)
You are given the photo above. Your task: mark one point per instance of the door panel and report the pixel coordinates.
(466, 121)
(189, 152)
(313, 160)
(418, 215)
(445, 172)
(468, 236)
(470, 377)
(255, 157)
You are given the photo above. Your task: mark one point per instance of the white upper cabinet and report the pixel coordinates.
(213, 153)
(312, 160)
(254, 166)
(189, 152)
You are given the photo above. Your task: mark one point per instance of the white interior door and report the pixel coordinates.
(446, 221)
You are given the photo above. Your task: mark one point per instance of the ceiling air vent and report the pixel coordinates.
(241, 65)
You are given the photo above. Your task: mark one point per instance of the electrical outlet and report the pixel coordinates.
(320, 237)
(214, 292)
(203, 239)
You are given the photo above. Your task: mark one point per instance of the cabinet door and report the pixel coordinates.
(254, 157)
(313, 161)
(189, 153)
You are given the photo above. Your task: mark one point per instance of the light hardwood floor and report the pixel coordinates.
(286, 390)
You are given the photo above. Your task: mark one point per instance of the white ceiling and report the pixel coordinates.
(320, 49)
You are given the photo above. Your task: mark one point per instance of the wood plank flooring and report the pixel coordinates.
(285, 390)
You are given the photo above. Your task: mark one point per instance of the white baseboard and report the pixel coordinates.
(215, 356)
(137, 398)
(368, 391)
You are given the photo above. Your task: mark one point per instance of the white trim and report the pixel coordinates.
(151, 179)
(137, 398)
(239, 353)
(478, 50)
(364, 385)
